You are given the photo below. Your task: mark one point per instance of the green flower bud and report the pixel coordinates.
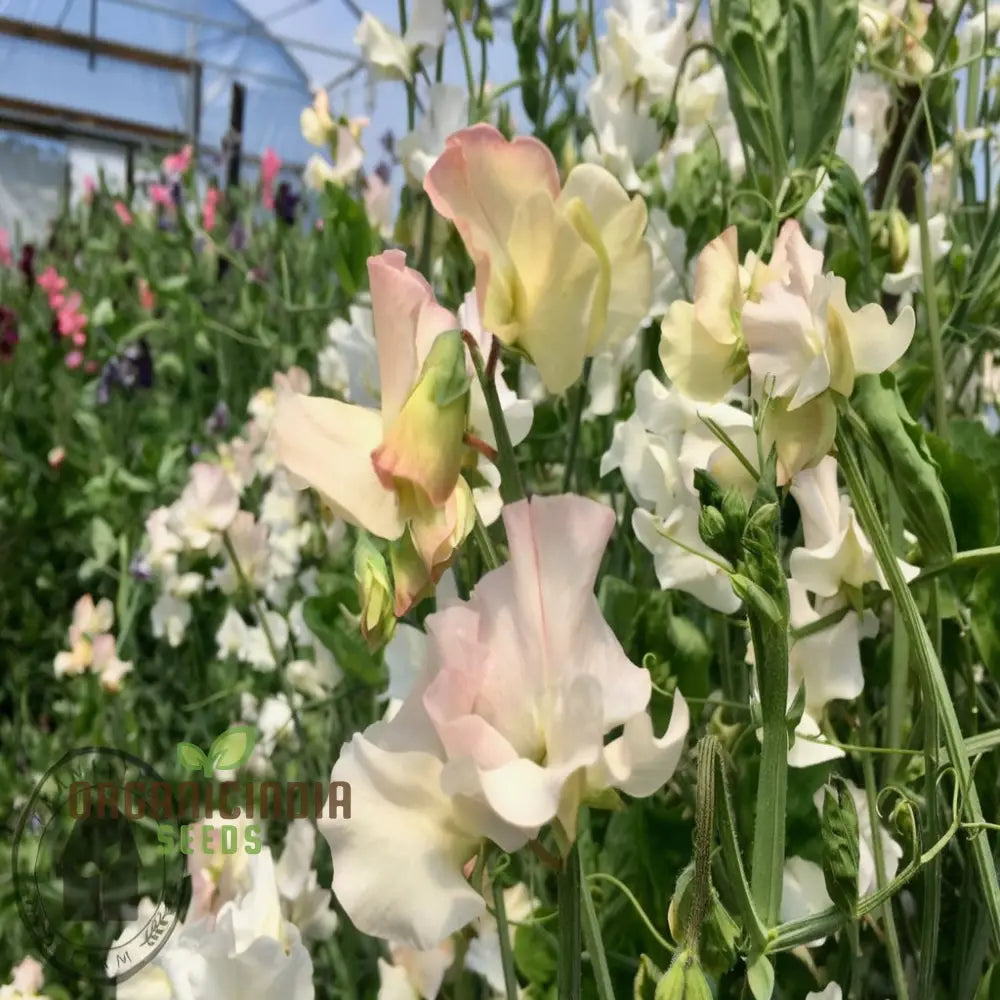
(684, 980)
(378, 621)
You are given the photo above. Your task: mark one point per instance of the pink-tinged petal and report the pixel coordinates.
(781, 339)
(406, 317)
(329, 444)
(638, 762)
(398, 857)
(478, 182)
(796, 263)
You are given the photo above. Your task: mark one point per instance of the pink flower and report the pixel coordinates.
(50, 282)
(57, 456)
(160, 194)
(6, 258)
(89, 187)
(71, 320)
(79, 338)
(213, 197)
(121, 209)
(74, 359)
(146, 297)
(270, 164)
(178, 163)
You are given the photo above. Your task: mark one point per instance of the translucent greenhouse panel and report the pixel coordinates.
(32, 181)
(62, 78)
(90, 159)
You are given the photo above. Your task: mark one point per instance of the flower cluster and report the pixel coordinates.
(93, 646)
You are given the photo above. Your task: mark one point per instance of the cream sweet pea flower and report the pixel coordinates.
(315, 122)
(804, 338)
(27, 982)
(447, 112)
(391, 57)
(836, 553)
(560, 273)
(414, 974)
(303, 901)
(394, 473)
(502, 733)
(206, 507)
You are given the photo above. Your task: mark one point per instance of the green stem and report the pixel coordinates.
(470, 79)
(570, 929)
(930, 300)
(891, 936)
(506, 952)
(511, 488)
(932, 676)
(899, 692)
(485, 543)
(592, 937)
(580, 398)
(931, 917)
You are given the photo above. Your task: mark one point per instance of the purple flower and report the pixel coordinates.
(9, 336)
(285, 203)
(27, 264)
(218, 421)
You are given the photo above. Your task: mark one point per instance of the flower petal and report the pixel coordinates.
(329, 444)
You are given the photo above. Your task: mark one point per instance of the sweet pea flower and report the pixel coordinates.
(836, 553)
(27, 982)
(177, 164)
(56, 456)
(74, 359)
(503, 732)
(206, 507)
(209, 207)
(53, 284)
(377, 196)
(561, 274)
(315, 122)
(147, 299)
(124, 215)
(6, 257)
(803, 335)
(395, 474)
(447, 112)
(270, 166)
(391, 57)
(160, 194)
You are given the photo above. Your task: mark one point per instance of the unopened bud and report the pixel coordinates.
(483, 29)
(684, 980)
(899, 240)
(378, 622)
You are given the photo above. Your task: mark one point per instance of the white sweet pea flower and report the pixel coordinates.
(348, 365)
(303, 901)
(836, 552)
(27, 982)
(447, 112)
(163, 545)
(170, 617)
(831, 991)
(249, 539)
(390, 57)
(803, 893)
(246, 950)
(526, 670)
(205, 508)
(658, 450)
(625, 137)
(414, 974)
(483, 955)
(892, 853)
(275, 721)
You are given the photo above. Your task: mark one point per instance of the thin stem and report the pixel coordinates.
(930, 300)
(892, 938)
(570, 929)
(592, 937)
(580, 398)
(932, 676)
(511, 488)
(506, 952)
(899, 693)
(470, 80)
(636, 905)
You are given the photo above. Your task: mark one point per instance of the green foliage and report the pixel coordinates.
(840, 847)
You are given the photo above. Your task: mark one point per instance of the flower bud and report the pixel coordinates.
(378, 622)
(483, 30)
(424, 445)
(899, 240)
(684, 980)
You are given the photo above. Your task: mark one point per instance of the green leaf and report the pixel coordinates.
(102, 539)
(984, 608)
(840, 846)
(191, 757)
(760, 977)
(535, 951)
(821, 42)
(232, 749)
(972, 495)
(903, 452)
(175, 283)
(325, 617)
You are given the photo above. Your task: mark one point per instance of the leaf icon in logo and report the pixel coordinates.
(233, 748)
(191, 757)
